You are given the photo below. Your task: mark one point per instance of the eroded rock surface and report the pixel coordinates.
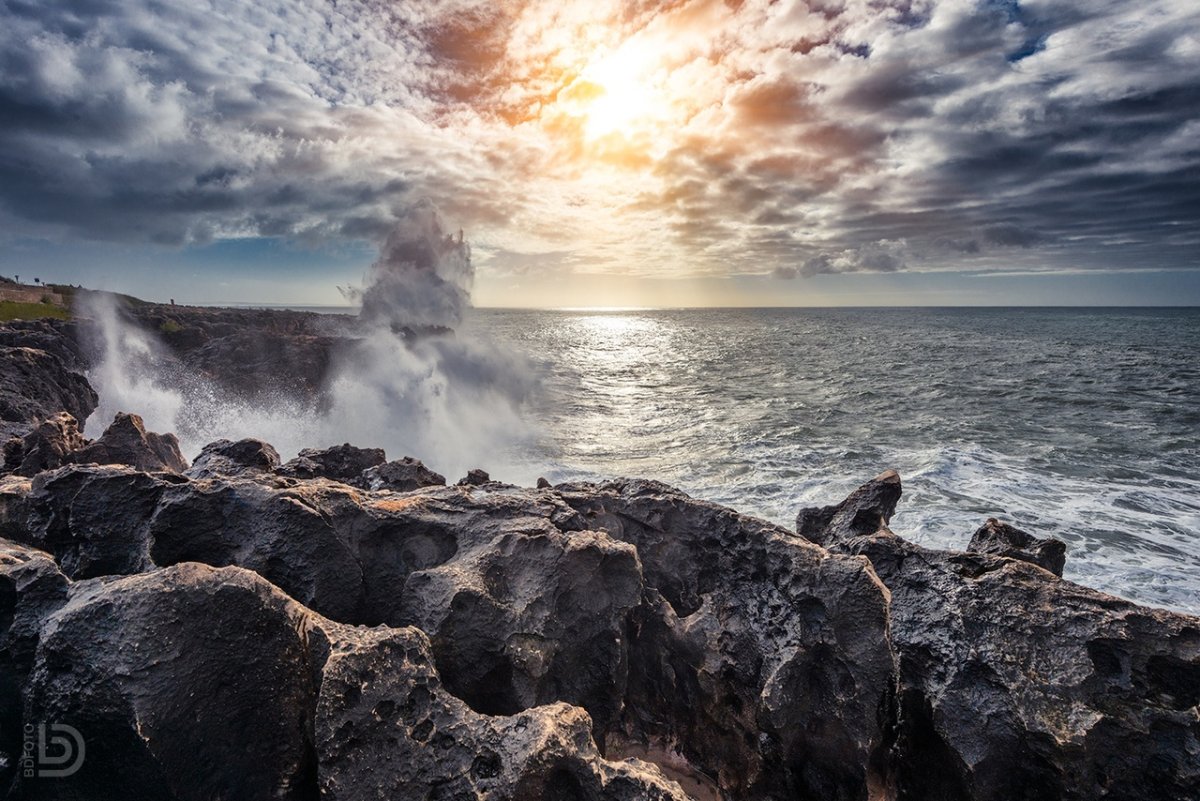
(1014, 683)
(227, 458)
(340, 463)
(1002, 539)
(126, 441)
(194, 682)
(400, 475)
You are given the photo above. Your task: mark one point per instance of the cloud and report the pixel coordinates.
(787, 137)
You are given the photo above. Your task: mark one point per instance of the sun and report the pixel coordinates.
(624, 97)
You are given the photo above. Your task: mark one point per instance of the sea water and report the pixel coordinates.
(1080, 424)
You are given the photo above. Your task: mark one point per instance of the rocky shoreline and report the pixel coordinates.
(343, 626)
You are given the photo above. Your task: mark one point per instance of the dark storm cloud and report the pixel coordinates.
(818, 137)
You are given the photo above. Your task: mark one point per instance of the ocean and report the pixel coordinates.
(1075, 423)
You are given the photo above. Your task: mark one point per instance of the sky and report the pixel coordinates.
(695, 152)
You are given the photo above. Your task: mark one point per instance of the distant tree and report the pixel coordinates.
(37, 280)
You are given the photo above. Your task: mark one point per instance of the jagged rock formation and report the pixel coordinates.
(227, 458)
(126, 441)
(340, 463)
(401, 475)
(37, 385)
(1002, 539)
(1013, 683)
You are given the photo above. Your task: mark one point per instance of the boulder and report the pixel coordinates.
(227, 458)
(868, 509)
(93, 519)
(1014, 683)
(759, 659)
(402, 475)
(386, 727)
(126, 441)
(185, 683)
(474, 478)
(37, 385)
(340, 463)
(1002, 539)
(52, 444)
(31, 587)
(298, 538)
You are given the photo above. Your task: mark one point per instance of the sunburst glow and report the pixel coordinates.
(624, 98)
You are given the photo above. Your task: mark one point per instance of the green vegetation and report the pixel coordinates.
(170, 327)
(12, 310)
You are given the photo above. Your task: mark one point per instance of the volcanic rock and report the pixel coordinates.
(340, 463)
(185, 683)
(126, 441)
(227, 458)
(760, 658)
(31, 587)
(387, 728)
(1002, 539)
(401, 475)
(52, 444)
(36, 385)
(1013, 683)
(474, 478)
(92, 518)
(867, 510)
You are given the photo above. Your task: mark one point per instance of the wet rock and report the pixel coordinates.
(402, 475)
(1001, 539)
(387, 727)
(37, 385)
(474, 478)
(760, 658)
(52, 444)
(867, 510)
(228, 458)
(340, 463)
(126, 441)
(1014, 684)
(184, 683)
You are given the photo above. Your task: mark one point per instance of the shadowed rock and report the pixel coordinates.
(386, 727)
(92, 518)
(474, 478)
(867, 510)
(757, 656)
(1016, 684)
(37, 385)
(401, 475)
(1001, 539)
(340, 463)
(195, 683)
(126, 441)
(227, 458)
(52, 444)
(185, 683)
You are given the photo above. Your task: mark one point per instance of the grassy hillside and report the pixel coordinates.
(13, 310)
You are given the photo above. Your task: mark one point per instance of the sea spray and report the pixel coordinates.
(401, 377)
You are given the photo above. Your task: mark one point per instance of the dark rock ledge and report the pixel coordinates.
(344, 627)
